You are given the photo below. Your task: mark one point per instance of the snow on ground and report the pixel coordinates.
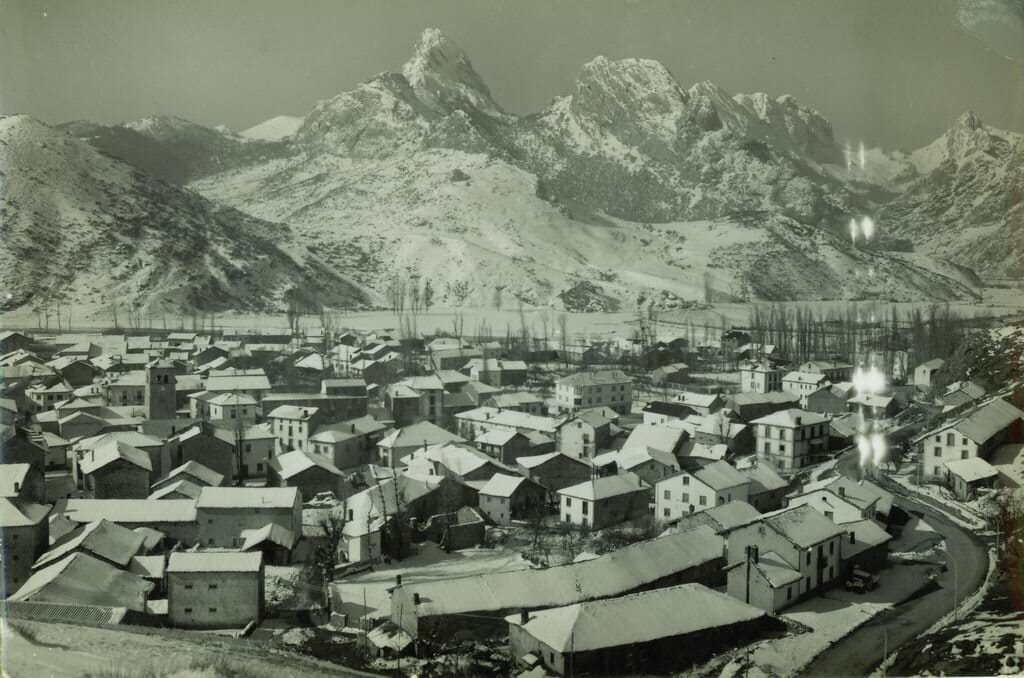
(274, 129)
(917, 539)
(828, 620)
(431, 562)
(972, 515)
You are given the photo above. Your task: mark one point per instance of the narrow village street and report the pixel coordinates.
(863, 650)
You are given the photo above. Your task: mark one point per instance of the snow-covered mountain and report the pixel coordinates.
(274, 129)
(966, 205)
(175, 149)
(630, 188)
(80, 227)
(631, 185)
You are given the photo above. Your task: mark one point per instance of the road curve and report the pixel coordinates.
(863, 650)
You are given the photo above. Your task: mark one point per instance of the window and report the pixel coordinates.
(831, 547)
(188, 587)
(949, 439)
(213, 609)
(212, 586)
(789, 593)
(964, 441)
(808, 559)
(686, 480)
(703, 501)
(938, 452)
(668, 494)
(963, 455)
(686, 496)
(259, 467)
(586, 507)
(188, 610)
(666, 513)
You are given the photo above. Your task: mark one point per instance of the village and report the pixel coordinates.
(413, 504)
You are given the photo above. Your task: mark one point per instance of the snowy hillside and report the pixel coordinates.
(967, 204)
(78, 226)
(274, 129)
(631, 184)
(630, 187)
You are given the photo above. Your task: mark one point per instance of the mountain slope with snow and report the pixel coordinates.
(631, 183)
(630, 187)
(80, 227)
(274, 129)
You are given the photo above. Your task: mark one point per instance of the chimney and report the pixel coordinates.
(524, 616)
(415, 599)
(305, 413)
(842, 491)
(398, 580)
(17, 487)
(853, 538)
(353, 427)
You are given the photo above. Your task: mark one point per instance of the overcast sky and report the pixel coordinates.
(894, 74)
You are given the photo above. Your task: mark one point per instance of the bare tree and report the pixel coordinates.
(563, 329)
(325, 556)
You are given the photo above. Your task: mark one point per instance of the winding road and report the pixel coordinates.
(967, 559)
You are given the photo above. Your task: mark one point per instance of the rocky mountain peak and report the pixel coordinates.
(443, 77)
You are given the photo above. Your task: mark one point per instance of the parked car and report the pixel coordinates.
(861, 581)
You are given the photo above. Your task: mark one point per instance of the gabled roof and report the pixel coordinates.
(21, 514)
(595, 378)
(804, 377)
(652, 615)
(718, 475)
(516, 419)
(291, 464)
(11, 476)
(871, 400)
(101, 538)
(698, 399)
(113, 451)
(653, 437)
(270, 533)
(231, 380)
(148, 567)
(788, 418)
(671, 409)
(605, 487)
(987, 420)
(802, 525)
(293, 412)
(971, 469)
(83, 579)
(418, 434)
(763, 478)
(502, 485)
(459, 458)
(720, 518)
(223, 561)
(225, 429)
(866, 534)
(204, 474)
(129, 511)
(497, 437)
(247, 497)
(612, 574)
(232, 399)
(183, 487)
(775, 570)
(533, 461)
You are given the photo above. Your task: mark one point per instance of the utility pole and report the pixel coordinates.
(751, 555)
